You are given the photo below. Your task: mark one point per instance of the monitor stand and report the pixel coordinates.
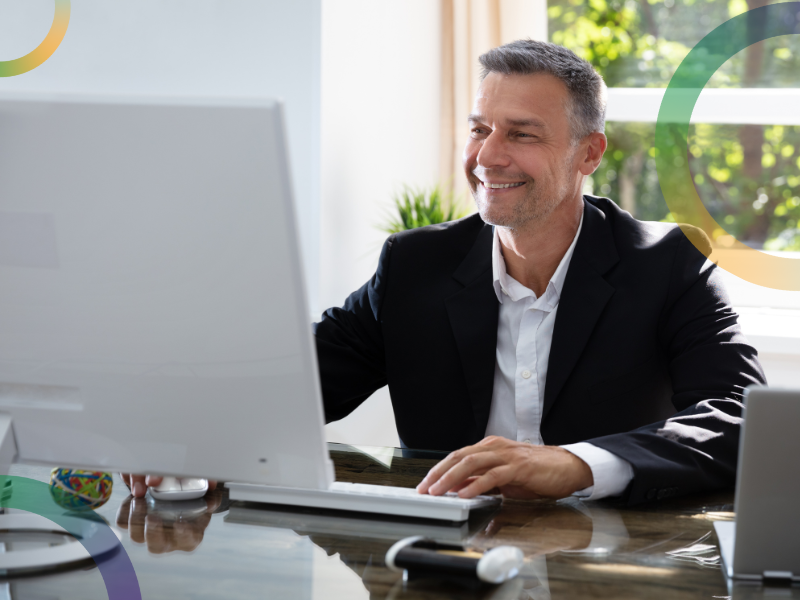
(51, 556)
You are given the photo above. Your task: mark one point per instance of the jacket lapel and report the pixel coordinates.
(473, 314)
(583, 299)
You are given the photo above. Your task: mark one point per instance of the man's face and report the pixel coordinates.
(520, 135)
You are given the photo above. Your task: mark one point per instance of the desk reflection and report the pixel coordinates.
(167, 526)
(361, 541)
(547, 528)
(539, 529)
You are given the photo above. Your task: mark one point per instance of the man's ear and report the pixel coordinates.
(593, 146)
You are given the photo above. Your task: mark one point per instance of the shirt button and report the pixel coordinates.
(526, 374)
(527, 441)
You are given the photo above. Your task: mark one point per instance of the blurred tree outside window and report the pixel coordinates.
(747, 175)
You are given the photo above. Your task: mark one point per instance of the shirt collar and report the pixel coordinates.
(503, 282)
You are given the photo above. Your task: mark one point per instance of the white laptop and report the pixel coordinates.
(153, 314)
(763, 544)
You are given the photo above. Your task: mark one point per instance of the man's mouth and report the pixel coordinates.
(500, 186)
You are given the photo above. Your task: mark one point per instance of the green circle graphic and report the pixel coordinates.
(115, 567)
(18, 66)
(672, 131)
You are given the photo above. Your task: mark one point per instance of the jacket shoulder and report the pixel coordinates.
(440, 241)
(631, 233)
(451, 231)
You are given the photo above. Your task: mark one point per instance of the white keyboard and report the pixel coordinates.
(361, 497)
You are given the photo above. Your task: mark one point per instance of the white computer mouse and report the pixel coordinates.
(174, 489)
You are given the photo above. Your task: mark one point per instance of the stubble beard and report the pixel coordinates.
(539, 202)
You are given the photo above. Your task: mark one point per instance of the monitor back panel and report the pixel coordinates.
(152, 308)
(768, 484)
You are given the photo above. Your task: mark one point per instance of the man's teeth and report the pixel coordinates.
(497, 186)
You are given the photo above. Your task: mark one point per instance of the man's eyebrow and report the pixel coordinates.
(512, 122)
(526, 123)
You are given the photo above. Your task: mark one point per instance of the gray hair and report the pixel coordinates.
(587, 90)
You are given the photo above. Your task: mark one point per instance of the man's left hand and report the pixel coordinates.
(517, 469)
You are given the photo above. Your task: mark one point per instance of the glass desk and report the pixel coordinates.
(214, 548)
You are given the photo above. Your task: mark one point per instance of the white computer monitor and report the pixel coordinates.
(153, 317)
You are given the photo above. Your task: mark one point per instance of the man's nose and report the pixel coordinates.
(493, 151)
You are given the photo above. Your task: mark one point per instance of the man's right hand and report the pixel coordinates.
(138, 484)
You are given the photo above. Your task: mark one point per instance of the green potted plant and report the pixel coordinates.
(420, 207)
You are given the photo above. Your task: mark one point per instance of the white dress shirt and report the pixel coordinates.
(524, 335)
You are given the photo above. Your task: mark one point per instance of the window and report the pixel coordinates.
(744, 147)
(744, 142)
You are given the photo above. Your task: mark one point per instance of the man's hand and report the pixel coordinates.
(138, 484)
(164, 532)
(518, 470)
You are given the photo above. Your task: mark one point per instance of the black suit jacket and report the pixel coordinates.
(647, 358)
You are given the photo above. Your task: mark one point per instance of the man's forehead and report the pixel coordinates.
(520, 100)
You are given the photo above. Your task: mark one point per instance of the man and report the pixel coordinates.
(553, 342)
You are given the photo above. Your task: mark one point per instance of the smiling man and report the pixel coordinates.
(554, 343)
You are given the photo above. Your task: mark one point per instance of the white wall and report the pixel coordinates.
(380, 129)
(188, 48)
(380, 126)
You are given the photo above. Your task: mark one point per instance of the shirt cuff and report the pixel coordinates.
(611, 473)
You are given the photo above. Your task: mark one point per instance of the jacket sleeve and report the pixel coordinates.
(349, 342)
(710, 364)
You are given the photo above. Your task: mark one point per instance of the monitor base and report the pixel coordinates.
(39, 558)
(50, 556)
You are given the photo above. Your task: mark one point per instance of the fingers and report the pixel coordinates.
(138, 485)
(463, 484)
(469, 466)
(436, 473)
(189, 535)
(496, 477)
(487, 444)
(153, 480)
(163, 536)
(136, 520)
(123, 513)
(158, 536)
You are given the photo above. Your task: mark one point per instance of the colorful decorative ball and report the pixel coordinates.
(76, 489)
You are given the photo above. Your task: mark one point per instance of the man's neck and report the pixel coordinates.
(532, 254)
